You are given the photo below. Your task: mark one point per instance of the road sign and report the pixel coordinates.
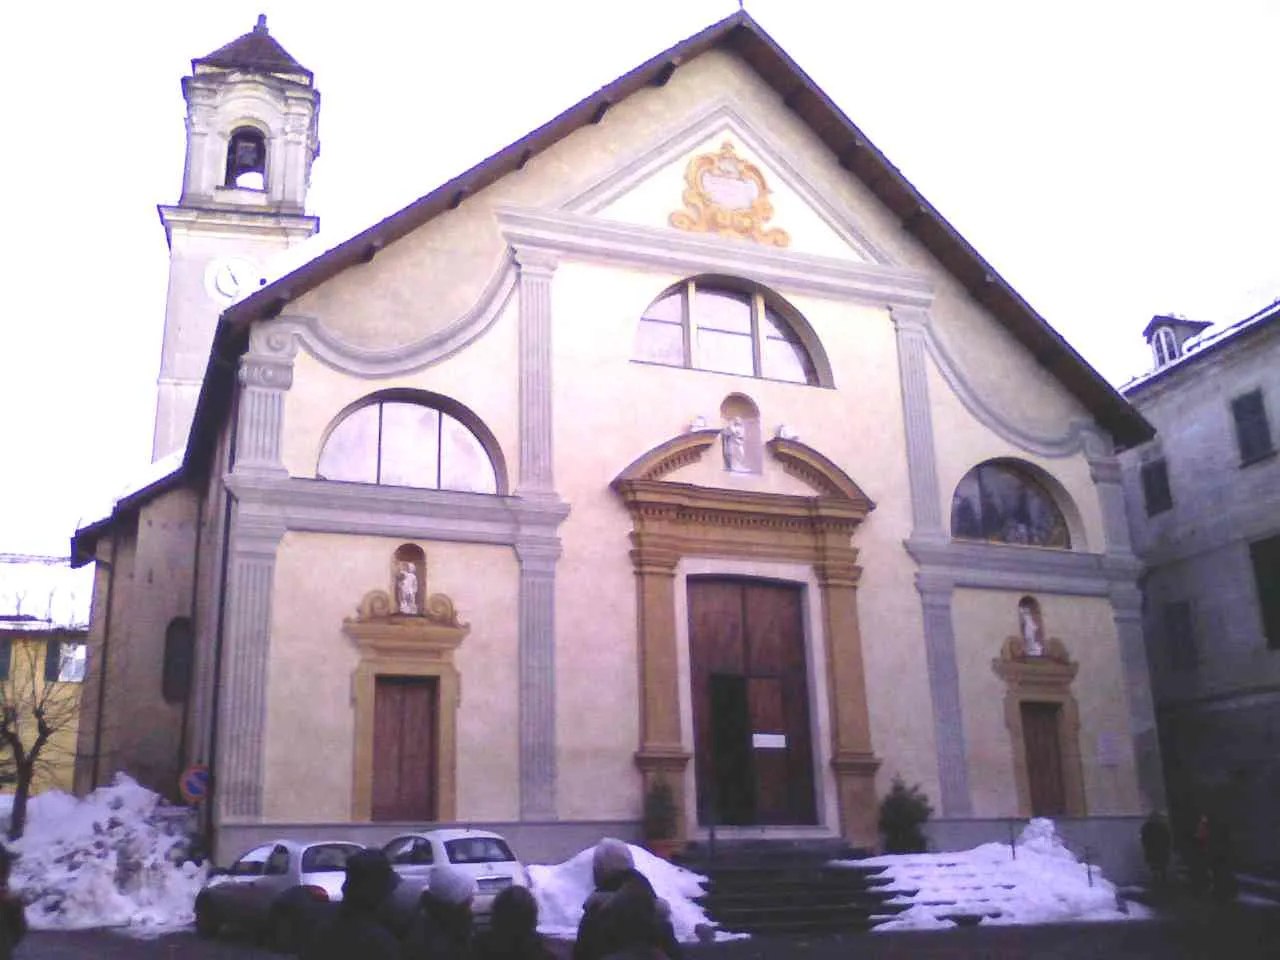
(194, 783)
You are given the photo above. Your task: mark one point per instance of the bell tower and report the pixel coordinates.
(252, 115)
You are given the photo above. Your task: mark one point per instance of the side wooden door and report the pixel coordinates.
(1041, 737)
(405, 720)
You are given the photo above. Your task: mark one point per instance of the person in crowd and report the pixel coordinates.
(13, 915)
(623, 918)
(1157, 843)
(356, 929)
(443, 925)
(513, 929)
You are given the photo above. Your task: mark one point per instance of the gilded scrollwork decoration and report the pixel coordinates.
(726, 195)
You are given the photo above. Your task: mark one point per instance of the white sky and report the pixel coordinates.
(1111, 159)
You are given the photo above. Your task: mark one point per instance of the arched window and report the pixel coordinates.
(410, 440)
(999, 501)
(179, 654)
(726, 326)
(247, 159)
(1166, 346)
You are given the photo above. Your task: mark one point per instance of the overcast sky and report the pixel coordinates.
(1111, 159)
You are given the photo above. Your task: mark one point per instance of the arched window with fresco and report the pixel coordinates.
(1002, 501)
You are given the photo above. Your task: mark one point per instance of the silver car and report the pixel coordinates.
(272, 890)
(483, 855)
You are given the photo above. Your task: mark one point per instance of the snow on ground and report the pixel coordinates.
(1044, 883)
(113, 858)
(561, 890)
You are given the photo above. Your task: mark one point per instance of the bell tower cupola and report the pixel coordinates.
(252, 135)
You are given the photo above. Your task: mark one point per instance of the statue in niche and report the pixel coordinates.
(1032, 627)
(407, 589)
(734, 441)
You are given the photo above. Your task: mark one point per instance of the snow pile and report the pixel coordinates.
(1045, 883)
(561, 890)
(115, 858)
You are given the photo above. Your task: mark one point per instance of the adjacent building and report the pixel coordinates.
(682, 440)
(1204, 506)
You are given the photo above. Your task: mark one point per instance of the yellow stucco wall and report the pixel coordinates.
(25, 689)
(309, 729)
(983, 620)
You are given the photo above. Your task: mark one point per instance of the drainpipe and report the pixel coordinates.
(106, 639)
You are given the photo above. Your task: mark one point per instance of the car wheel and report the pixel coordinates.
(207, 922)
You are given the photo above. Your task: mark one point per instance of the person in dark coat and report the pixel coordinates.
(13, 915)
(1157, 843)
(623, 918)
(513, 929)
(356, 929)
(442, 928)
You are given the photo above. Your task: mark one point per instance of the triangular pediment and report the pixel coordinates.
(716, 174)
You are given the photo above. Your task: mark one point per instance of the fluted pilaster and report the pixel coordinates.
(538, 677)
(536, 461)
(944, 688)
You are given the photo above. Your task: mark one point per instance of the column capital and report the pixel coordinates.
(535, 262)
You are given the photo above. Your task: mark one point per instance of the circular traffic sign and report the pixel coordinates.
(194, 783)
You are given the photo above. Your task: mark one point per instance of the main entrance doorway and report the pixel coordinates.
(752, 746)
(404, 737)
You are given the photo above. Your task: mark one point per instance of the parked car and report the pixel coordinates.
(274, 890)
(483, 855)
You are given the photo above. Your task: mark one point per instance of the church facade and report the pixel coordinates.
(681, 441)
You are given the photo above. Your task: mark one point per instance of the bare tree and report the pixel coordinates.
(39, 709)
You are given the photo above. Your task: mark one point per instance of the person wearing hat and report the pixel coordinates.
(513, 929)
(357, 929)
(623, 916)
(442, 927)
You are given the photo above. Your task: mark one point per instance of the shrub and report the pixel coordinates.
(903, 813)
(659, 811)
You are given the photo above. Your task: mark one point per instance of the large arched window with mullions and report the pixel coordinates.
(730, 326)
(1003, 501)
(412, 439)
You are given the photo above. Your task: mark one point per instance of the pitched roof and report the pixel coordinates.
(256, 50)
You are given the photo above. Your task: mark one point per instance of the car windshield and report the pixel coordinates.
(478, 850)
(325, 857)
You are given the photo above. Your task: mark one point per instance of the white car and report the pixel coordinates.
(272, 889)
(483, 855)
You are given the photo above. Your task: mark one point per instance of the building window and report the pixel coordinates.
(1265, 555)
(6, 655)
(1253, 433)
(1155, 487)
(410, 443)
(724, 327)
(1180, 641)
(1000, 502)
(1165, 344)
(179, 653)
(64, 662)
(247, 159)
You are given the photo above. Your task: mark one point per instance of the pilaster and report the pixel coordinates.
(913, 375)
(944, 685)
(536, 268)
(537, 632)
(1126, 608)
(266, 372)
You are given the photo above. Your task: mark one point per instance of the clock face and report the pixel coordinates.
(229, 277)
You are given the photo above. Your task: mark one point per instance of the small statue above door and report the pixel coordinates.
(740, 439)
(409, 568)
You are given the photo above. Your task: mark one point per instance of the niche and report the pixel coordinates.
(740, 441)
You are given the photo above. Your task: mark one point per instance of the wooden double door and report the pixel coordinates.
(405, 726)
(753, 752)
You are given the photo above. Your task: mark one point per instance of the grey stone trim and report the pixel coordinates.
(944, 689)
(247, 637)
(995, 566)
(713, 120)
(324, 506)
(604, 241)
(537, 266)
(538, 556)
(1081, 434)
(910, 326)
(1106, 473)
(266, 372)
(1126, 606)
(330, 349)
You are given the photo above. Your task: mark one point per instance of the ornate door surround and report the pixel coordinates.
(675, 520)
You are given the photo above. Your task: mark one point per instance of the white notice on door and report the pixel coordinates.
(769, 741)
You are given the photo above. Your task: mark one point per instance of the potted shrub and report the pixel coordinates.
(903, 813)
(661, 819)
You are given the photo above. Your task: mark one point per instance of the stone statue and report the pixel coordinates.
(734, 439)
(1032, 641)
(407, 589)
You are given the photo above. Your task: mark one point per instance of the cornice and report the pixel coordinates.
(330, 349)
(262, 221)
(611, 242)
(947, 564)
